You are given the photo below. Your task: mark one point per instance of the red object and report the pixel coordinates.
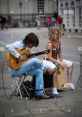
(48, 20)
(59, 20)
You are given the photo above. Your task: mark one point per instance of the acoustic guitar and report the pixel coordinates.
(15, 63)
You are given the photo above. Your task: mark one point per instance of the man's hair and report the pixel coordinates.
(31, 38)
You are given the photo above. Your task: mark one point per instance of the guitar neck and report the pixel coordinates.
(35, 54)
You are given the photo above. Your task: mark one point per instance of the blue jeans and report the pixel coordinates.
(32, 67)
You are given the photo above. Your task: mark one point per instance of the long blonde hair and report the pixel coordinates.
(51, 34)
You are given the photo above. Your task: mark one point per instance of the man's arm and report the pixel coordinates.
(12, 50)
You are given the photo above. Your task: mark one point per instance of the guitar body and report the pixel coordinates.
(15, 63)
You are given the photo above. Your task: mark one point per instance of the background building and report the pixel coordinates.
(71, 12)
(27, 6)
(25, 12)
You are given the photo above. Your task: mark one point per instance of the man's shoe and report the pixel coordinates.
(55, 96)
(38, 97)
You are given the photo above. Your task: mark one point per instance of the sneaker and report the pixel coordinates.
(54, 91)
(69, 86)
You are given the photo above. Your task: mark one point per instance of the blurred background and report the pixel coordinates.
(25, 13)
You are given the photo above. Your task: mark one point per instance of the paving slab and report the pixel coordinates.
(69, 105)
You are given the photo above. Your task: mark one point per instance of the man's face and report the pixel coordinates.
(29, 45)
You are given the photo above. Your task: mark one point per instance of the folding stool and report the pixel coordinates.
(18, 86)
(13, 91)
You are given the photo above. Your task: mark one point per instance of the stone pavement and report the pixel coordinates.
(69, 105)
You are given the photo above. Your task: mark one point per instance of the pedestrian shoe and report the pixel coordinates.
(55, 96)
(38, 97)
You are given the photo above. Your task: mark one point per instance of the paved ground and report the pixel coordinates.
(71, 102)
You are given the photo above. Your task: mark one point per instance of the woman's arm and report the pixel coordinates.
(50, 57)
(60, 54)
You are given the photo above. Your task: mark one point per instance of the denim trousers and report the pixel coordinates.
(32, 67)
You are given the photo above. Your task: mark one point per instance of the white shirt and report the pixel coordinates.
(11, 48)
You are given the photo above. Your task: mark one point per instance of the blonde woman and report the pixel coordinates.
(56, 57)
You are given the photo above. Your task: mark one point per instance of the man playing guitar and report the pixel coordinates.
(31, 66)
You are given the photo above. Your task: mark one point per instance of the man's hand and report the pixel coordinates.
(22, 57)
